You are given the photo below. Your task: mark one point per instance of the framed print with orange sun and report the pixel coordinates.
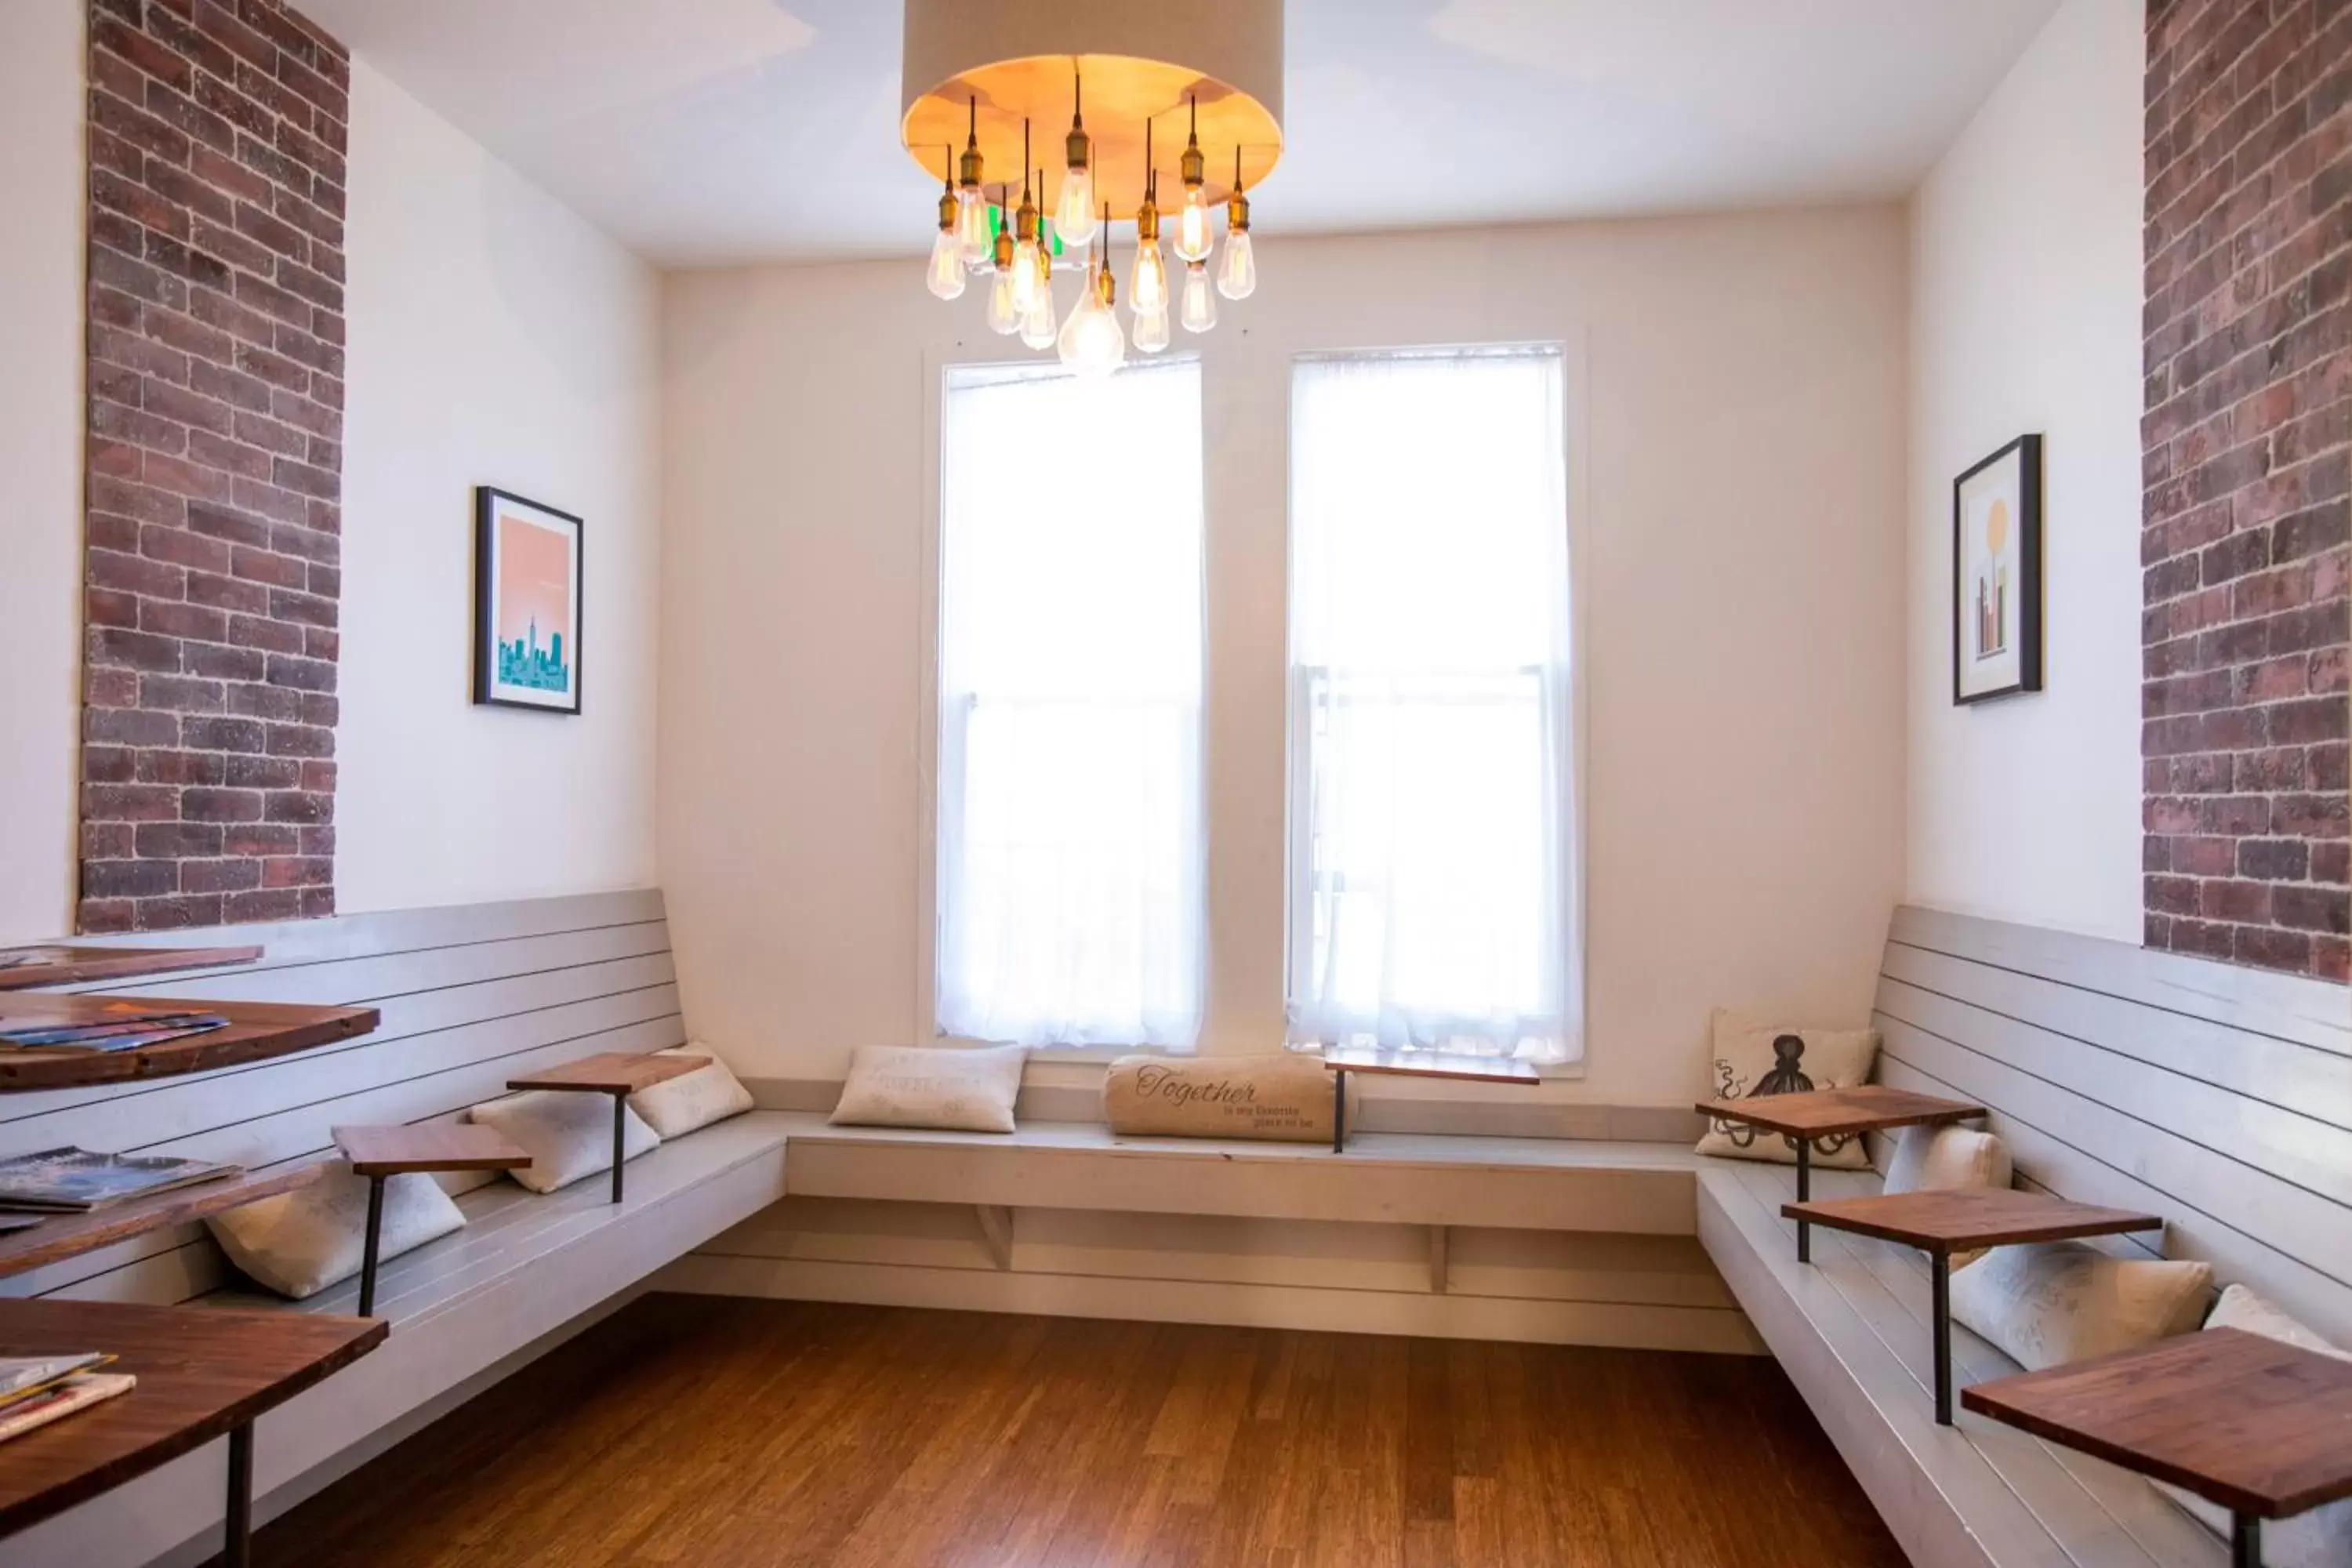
(1996, 574)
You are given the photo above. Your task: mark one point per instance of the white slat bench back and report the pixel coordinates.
(2218, 1097)
(470, 997)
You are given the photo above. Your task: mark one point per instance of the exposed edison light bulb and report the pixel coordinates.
(1038, 326)
(1090, 341)
(945, 277)
(1147, 285)
(1003, 304)
(1237, 271)
(1074, 212)
(1025, 250)
(1199, 309)
(1151, 331)
(1193, 237)
(972, 206)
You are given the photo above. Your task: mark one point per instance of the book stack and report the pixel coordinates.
(118, 1027)
(37, 1389)
(75, 1181)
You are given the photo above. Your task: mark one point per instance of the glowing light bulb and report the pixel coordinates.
(1073, 213)
(1193, 235)
(1152, 332)
(1200, 310)
(1038, 327)
(946, 278)
(1237, 274)
(1028, 276)
(973, 235)
(1090, 341)
(1003, 316)
(1147, 285)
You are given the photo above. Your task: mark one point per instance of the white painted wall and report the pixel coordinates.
(494, 338)
(2025, 317)
(1743, 437)
(41, 359)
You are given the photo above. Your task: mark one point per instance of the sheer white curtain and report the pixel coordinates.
(1070, 664)
(1433, 854)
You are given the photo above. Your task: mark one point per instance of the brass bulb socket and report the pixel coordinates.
(1105, 289)
(948, 208)
(970, 169)
(1147, 224)
(1004, 250)
(1237, 213)
(1025, 222)
(1078, 149)
(1194, 165)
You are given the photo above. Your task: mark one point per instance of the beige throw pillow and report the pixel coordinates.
(1283, 1096)
(698, 1099)
(2321, 1538)
(568, 1135)
(1946, 1159)
(299, 1242)
(1755, 1058)
(2062, 1302)
(936, 1087)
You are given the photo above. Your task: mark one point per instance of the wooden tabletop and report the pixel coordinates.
(614, 1072)
(62, 963)
(69, 1235)
(434, 1146)
(255, 1031)
(1428, 1064)
(202, 1371)
(1840, 1112)
(2255, 1424)
(1959, 1221)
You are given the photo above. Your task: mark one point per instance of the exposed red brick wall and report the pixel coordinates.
(216, 424)
(2244, 442)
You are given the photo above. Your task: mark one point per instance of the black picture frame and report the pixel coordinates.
(489, 692)
(2026, 452)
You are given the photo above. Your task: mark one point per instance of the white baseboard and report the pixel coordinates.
(1637, 1326)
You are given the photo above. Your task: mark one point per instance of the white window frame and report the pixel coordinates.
(1298, 906)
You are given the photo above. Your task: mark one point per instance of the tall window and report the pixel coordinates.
(1432, 853)
(1069, 832)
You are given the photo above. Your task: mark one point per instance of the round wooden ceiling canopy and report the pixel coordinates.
(1139, 62)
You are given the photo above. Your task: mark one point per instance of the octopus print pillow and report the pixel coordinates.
(1754, 1058)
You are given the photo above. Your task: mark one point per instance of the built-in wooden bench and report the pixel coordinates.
(470, 998)
(2219, 1098)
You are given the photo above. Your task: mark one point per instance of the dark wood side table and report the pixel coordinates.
(65, 963)
(615, 1073)
(203, 1373)
(1807, 1117)
(1341, 1060)
(382, 1153)
(1942, 1222)
(256, 1031)
(2260, 1428)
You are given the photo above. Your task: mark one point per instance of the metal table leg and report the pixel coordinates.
(374, 1243)
(1339, 1110)
(2245, 1541)
(620, 1126)
(1941, 1264)
(237, 1547)
(1805, 1194)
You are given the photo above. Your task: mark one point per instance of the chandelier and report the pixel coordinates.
(984, 85)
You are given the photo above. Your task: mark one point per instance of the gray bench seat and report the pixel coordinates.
(1852, 1332)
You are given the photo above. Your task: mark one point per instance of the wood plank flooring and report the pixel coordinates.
(719, 1431)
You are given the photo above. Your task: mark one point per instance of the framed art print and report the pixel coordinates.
(527, 641)
(1996, 574)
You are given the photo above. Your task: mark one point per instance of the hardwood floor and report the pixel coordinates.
(707, 1430)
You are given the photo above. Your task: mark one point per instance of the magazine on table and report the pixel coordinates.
(118, 1027)
(77, 1392)
(24, 1375)
(75, 1181)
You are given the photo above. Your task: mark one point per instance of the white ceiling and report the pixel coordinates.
(720, 130)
